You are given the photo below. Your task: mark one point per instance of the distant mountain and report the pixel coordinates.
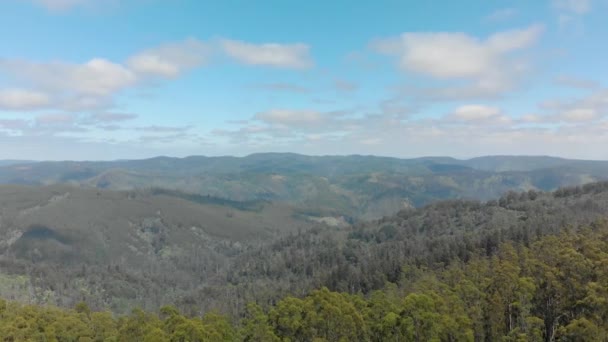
(14, 162)
(358, 187)
(521, 163)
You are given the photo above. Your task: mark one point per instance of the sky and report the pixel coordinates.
(128, 79)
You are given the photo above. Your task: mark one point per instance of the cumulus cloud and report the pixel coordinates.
(112, 117)
(492, 130)
(590, 109)
(291, 56)
(55, 119)
(290, 117)
(531, 118)
(21, 99)
(65, 86)
(94, 84)
(164, 129)
(579, 115)
(456, 55)
(564, 128)
(478, 113)
(291, 125)
(52, 124)
(96, 77)
(170, 60)
(489, 66)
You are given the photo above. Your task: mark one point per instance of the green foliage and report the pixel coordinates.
(120, 250)
(552, 290)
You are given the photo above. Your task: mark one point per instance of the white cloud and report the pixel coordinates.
(492, 130)
(55, 119)
(164, 129)
(112, 117)
(291, 125)
(94, 84)
(97, 77)
(590, 109)
(292, 56)
(573, 6)
(170, 60)
(100, 77)
(417, 137)
(476, 112)
(457, 55)
(489, 67)
(290, 117)
(371, 141)
(531, 118)
(20, 99)
(579, 115)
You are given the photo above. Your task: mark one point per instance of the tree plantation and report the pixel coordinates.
(555, 289)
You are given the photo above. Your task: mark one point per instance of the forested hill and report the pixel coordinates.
(364, 257)
(358, 187)
(553, 289)
(166, 259)
(60, 244)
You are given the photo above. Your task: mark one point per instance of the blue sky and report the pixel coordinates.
(113, 79)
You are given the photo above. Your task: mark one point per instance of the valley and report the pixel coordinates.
(144, 242)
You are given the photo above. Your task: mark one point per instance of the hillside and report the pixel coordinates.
(364, 257)
(117, 250)
(357, 187)
(549, 290)
(57, 242)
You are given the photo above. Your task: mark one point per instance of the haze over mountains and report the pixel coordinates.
(215, 238)
(212, 234)
(117, 250)
(356, 187)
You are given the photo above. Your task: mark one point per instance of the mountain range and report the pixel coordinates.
(354, 187)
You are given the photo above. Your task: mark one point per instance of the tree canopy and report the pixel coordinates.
(554, 289)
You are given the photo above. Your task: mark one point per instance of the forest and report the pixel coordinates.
(548, 289)
(303, 171)
(138, 259)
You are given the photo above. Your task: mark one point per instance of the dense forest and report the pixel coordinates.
(160, 262)
(550, 289)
